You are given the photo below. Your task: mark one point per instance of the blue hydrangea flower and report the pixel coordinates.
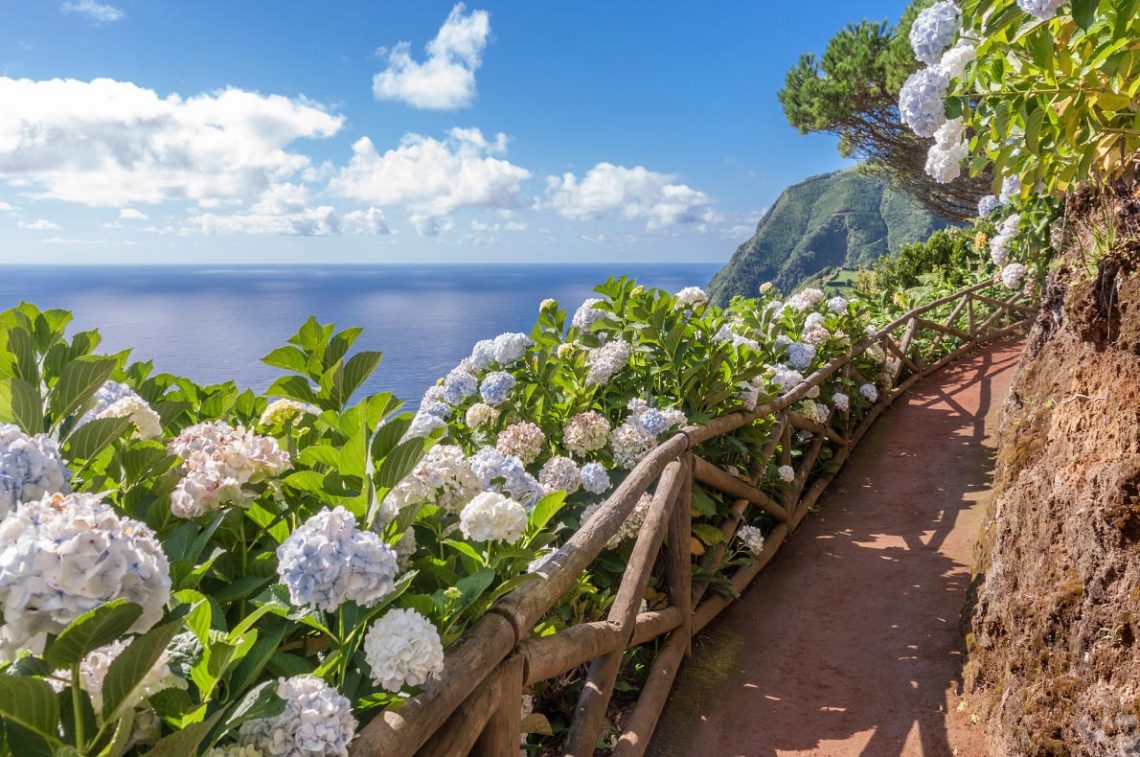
(496, 387)
(595, 479)
(328, 561)
(458, 386)
(653, 421)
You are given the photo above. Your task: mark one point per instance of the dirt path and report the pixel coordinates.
(849, 642)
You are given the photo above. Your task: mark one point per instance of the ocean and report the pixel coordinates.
(215, 323)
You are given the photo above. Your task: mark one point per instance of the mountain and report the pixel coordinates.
(835, 220)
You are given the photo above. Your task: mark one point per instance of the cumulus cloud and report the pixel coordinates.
(6, 207)
(308, 222)
(446, 79)
(132, 214)
(112, 143)
(611, 191)
(41, 224)
(431, 177)
(100, 13)
(370, 221)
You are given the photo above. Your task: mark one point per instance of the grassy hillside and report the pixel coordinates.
(837, 220)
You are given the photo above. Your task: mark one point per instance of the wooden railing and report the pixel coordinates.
(474, 707)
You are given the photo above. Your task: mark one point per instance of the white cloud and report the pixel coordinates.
(634, 193)
(100, 13)
(370, 221)
(309, 222)
(432, 178)
(111, 143)
(6, 208)
(446, 80)
(131, 214)
(39, 225)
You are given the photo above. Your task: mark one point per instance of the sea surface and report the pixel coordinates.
(215, 323)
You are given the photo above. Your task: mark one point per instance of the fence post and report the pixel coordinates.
(678, 557)
(503, 732)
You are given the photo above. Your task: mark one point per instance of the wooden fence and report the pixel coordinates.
(474, 707)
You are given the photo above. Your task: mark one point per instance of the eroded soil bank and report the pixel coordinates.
(1053, 649)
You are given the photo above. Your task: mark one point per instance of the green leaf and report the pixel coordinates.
(1084, 12)
(20, 404)
(23, 349)
(129, 668)
(259, 702)
(708, 534)
(546, 509)
(288, 358)
(94, 436)
(91, 630)
(399, 463)
(355, 372)
(77, 384)
(294, 388)
(466, 549)
(474, 585)
(31, 703)
(185, 741)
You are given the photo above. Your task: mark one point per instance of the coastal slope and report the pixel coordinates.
(834, 220)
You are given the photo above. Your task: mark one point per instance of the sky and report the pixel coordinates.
(153, 131)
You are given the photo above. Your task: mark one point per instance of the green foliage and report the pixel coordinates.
(843, 219)
(947, 261)
(1055, 102)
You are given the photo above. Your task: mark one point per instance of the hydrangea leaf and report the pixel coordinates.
(91, 630)
(30, 703)
(129, 668)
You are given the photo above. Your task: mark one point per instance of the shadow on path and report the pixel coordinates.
(849, 643)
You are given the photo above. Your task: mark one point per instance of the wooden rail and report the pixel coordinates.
(474, 707)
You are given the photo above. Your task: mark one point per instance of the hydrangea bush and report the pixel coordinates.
(205, 569)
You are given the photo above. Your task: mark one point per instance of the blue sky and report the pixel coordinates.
(356, 132)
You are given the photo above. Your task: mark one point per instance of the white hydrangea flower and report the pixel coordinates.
(586, 432)
(116, 400)
(691, 298)
(481, 414)
(586, 314)
(93, 669)
(837, 304)
(607, 360)
(285, 412)
(1013, 275)
(492, 517)
(752, 538)
(422, 425)
(510, 347)
(841, 401)
(748, 395)
(483, 353)
(630, 442)
(1043, 10)
(726, 334)
(405, 547)
(987, 205)
(816, 335)
(449, 476)
(566, 350)
(560, 474)
(766, 287)
(934, 30)
(595, 479)
(786, 378)
(317, 720)
(547, 304)
(870, 392)
(786, 473)
(954, 61)
(492, 467)
(524, 440)
(218, 460)
(403, 648)
(805, 299)
(327, 561)
(66, 554)
(922, 101)
(944, 162)
(1010, 189)
(30, 467)
(999, 245)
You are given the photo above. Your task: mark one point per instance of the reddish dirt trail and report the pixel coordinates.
(850, 642)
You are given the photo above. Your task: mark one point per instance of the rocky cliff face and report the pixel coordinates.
(1053, 648)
